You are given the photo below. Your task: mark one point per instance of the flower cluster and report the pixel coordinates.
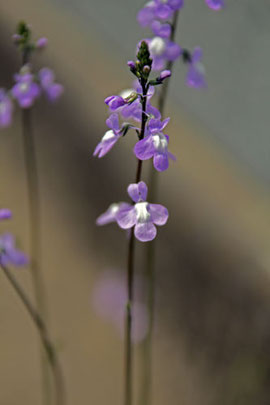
(135, 104)
(28, 85)
(8, 252)
(158, 16)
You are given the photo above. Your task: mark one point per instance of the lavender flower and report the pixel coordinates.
(155, 145)
(110, 138)
(52, 90)
(158, 9)
(161, 30)
(142, 215)
(6, 109)
(196, 71)
(25, 91)
(110, 215)
(215, 4)
(8, 252)
(5, 214)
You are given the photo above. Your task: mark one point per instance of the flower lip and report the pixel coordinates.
(142, 213)
(157, 46)
(160, 142)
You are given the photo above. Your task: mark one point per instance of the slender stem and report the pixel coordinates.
(35, 234)
(43, 332)
(130, 276)
(150, 254)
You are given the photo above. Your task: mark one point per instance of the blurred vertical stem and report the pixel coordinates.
(43, 332)
(147, 345)
(130, 277)
(35, 234)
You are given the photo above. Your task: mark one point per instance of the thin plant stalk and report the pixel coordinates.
(44, 336)
(130, 275)
(35, 233)
(147, 345)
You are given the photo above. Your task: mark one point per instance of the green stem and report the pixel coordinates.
(43, 332)
(35, 233)
(147, 345)
(130, 277)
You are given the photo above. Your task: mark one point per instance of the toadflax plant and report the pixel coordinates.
(156, 53)
(139, 215)
(28, 87)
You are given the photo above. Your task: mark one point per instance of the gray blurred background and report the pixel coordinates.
(212, 337)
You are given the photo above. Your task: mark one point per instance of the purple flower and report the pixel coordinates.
(155, 145)
(109, 301)
(110, 137)
(25, 90)
(6, 109)
(110, 215)
(52, 90)
(196, 72)
(114, 102)
(42, 43)
(215, 4)
(5, 214)
(158, 9)
(8, 252)
(162, 50)
(161, 30)
(143, 215)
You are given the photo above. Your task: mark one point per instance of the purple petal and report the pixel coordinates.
(46, 77)
(161, 30)
(145, 232)
(113, 122)
(163, 11)
(173, 51)
(161, 161)
(197, 55)
(144, 149)
(54, 91)
(145, 16)
(105, 145)
(5, 214)
(176, 4)
(159, 214)
(215, 4)
(138, 192)
(126, 217)
(152, 111)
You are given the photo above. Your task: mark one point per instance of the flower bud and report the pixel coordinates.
(165, 74)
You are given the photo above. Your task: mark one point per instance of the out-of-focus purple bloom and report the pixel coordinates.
(161, 30)
(42, 43)
(5, 214)
(52, 90)
(110, 137)
(25, 91)
(196, 72)
(155, 145)
(6, 109)
(143, 215)
(8, 252)
(158, 9)
(110, 298)
(114, 102)
(110, 215)
(215, 4)
(162, 50)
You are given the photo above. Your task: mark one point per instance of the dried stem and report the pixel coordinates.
(150, 255)
(43, 332)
